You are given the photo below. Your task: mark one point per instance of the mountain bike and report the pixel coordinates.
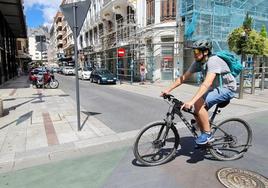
(157, 142)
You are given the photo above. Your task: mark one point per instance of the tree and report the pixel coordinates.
(235, 40)
(248, 22)
(245, 39)
(263, 32)
(265, 50)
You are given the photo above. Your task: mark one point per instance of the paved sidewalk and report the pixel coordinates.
(238, 107)
(40, 126)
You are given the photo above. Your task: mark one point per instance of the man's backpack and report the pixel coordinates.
(234, 64)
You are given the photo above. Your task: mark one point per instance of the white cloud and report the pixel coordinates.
(49, 8)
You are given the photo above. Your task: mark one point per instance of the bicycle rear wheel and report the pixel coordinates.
(232, 139)
(156, 144)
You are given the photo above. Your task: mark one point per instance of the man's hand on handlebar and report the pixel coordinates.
(165, 92)
(187, 105)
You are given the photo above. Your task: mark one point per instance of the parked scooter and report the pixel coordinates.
(48, 80)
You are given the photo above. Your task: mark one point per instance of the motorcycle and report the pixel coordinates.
(47, 79)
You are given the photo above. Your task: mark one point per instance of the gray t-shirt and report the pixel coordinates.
(218, 66)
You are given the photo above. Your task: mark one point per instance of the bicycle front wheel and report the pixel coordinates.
(232, 139)
(156, 144)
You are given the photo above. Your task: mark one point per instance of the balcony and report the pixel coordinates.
(106, 2)
(59, 34)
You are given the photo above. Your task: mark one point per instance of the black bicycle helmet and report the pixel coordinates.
(202, 44)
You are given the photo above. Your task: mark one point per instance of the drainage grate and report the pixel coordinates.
(236, 178)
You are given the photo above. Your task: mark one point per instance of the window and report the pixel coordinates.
(19, 45)
(168, 10)
(150, 7)
(167, 51)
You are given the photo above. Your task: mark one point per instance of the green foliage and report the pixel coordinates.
(263, 32)
(254, 44)
(248, 22)
(265, 50)
(235, 40)
(245, 39)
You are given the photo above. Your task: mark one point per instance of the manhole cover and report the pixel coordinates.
(237, 178)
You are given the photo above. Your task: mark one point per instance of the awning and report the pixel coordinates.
(12, 10)
(23, 56)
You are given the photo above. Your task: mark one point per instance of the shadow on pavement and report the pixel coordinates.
(88, 114)
(18, 82)
(21, 119)
(187, 149)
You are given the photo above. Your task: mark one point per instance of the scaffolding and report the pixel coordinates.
(215, 19)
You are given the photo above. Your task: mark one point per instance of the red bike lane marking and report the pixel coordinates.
(12, 92)
(52, 138)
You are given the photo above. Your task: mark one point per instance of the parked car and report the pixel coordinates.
(60, 71)
(68, 70)
(102, 76)
(84, 73)
(55, 69)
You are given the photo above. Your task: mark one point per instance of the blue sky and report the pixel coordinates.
(34, 17)
(40, 12)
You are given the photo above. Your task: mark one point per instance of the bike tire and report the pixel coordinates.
(233, 135)
(162, 155)
(54, 84)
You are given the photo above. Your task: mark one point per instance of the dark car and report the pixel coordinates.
(102, 76)
(60, 70)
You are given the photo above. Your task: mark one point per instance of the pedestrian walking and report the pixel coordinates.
(143, 72)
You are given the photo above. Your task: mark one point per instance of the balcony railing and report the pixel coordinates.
(168, 18)
(105, 2)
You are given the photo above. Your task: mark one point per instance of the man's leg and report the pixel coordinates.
(202, 117)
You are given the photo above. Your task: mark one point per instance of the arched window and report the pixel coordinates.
(168, 10)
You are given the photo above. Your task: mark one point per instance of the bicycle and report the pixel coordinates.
(232, 137)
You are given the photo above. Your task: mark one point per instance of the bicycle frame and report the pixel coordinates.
(176, 109)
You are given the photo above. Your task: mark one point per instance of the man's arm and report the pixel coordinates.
(204, 86)
(178, 82)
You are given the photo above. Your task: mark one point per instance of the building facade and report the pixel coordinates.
(22, 55)
(12, 26)
(148, 35)
(38, 44)
(55, 48)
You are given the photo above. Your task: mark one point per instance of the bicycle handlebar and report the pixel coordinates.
(171, 98)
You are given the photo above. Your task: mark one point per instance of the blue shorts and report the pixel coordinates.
(217, 95)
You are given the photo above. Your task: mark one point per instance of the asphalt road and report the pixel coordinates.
(118, 168)
(120, 110)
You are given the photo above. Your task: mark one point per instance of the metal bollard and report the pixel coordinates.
(262, 79)
(1, 108)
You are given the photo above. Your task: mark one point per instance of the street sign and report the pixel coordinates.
(121, 52)
(81, 10)
(75, 14)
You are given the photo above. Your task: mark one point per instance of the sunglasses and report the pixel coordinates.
(197, 51)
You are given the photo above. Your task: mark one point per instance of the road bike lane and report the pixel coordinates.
(118, 168)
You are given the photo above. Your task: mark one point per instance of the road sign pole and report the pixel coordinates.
(75, 14)
(76, 68)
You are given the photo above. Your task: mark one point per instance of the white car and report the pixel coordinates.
(84, 73)
(68, 70)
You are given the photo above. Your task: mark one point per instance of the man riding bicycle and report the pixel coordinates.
(218, 86)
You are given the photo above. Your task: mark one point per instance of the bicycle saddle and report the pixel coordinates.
(223, 104)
